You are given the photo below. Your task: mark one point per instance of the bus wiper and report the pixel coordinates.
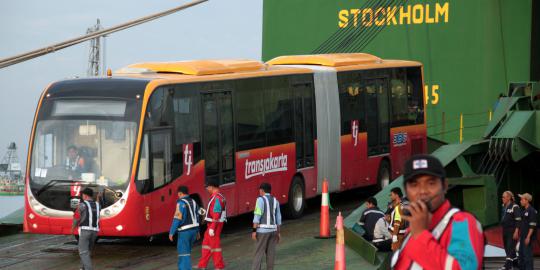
(51, 184)
(116, 193)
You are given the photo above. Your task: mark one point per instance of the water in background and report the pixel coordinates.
(9, 204)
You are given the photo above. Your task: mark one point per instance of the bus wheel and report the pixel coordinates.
(297, 199)
(383, 176)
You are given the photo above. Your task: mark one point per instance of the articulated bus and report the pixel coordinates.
(137, 135)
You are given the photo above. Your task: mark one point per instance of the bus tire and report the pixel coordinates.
(297, 199)
(384, 175)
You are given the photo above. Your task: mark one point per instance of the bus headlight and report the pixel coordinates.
(43, 210)
(116, 207)
(36, 206)
(33, 201)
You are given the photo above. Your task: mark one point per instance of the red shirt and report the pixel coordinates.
(460, 247)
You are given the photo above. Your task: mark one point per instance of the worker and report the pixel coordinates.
(397, 225)
(382, 239)
(75, 164)
(266, 223)
(186, 223)
(510, 223)
(216, 214)
(369, 218)
(527, 232)
(439, 235)
(88, 223)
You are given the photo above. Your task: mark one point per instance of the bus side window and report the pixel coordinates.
(161, 157)
(143, 173)
(351, 101)
(399, 97)
(278, 109)
(186, 107)
(415, 96)
(250, 114)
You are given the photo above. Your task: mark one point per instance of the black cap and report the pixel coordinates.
(422, 165)
(212, 183)
(88, 191)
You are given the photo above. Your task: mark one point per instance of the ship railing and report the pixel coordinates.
(454, 128)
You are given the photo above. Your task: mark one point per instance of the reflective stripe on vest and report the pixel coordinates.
(223, 216)
(91, 222)
(268, 218)
(75, 164)
(436, 232)
(379, 240)
(192, 210)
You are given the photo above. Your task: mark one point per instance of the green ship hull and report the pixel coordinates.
(471, 50)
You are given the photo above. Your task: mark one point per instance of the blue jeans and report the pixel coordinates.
(526, 255)
(185, 242)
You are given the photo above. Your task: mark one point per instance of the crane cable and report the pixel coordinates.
(68, 43)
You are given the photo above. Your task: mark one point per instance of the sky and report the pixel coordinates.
(217, 29)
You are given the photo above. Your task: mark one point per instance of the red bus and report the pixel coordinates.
(136, 136)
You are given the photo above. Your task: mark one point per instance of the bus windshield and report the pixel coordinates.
(83, 150)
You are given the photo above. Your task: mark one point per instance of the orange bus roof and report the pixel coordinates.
(197, 67)
(330, 60)
(211, 70)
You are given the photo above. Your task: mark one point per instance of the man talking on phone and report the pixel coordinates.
(440, 236)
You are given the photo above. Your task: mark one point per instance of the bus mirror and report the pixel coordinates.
(74, 203)
(87, 130)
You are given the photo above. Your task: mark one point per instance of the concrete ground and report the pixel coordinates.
(298, 249)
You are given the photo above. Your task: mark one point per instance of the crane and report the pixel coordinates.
(6, 62)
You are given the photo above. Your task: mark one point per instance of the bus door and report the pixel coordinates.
(218, 143)
(162, 196)
(304, 125)
(377, 116)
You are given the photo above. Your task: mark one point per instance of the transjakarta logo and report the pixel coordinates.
(354, 131)
(266, 165)
(188, 158)
(400, 139)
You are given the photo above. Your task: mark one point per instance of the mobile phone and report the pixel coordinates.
(406, 212)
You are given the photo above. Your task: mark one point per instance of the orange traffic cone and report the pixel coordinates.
(324, 231)
(340, 244)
